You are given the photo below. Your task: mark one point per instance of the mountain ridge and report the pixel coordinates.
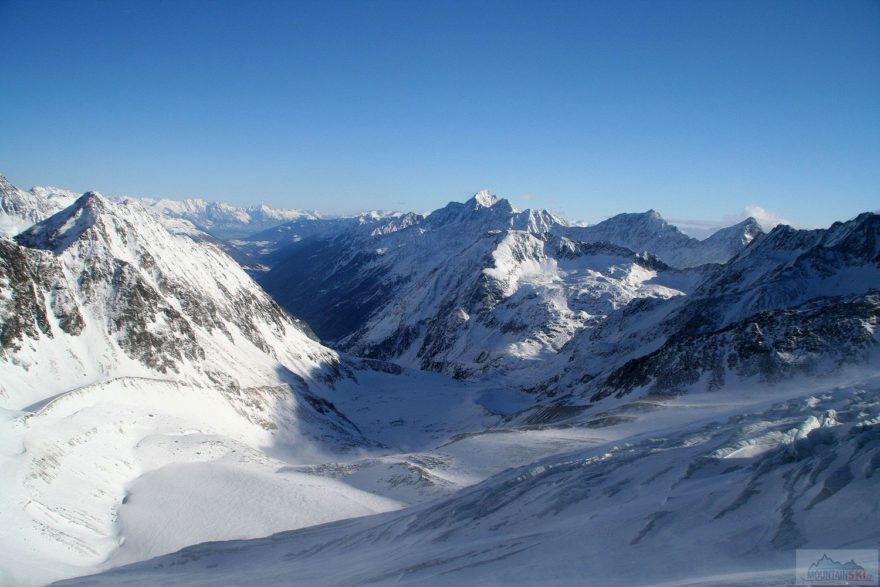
(147, 383)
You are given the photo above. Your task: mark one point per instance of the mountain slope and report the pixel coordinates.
(793, 301)
(269, 245)
(20, 209)
(478, 288)
(481, 290)
(115, 294)
(128, 351)
(510, 301)
(381, 289)
(226, 221)
(716, 490)
(697, 419)
(148, 384)
(648, 231)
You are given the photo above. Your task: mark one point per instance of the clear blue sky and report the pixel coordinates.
(696, 109)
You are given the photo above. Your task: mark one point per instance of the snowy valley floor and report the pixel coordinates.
(455, 487)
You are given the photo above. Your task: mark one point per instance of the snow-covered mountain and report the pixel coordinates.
(19, 209)
(648, 231)
(510, 300)
(226, 221)
(101, 290)
(148, 384)
(378, 274)
(794, 301)
(268, 245)
(479, 287)
(704, 419)
(134, 358)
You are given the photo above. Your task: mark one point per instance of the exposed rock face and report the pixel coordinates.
(478, 287)
(454, 291)
(794, 301)
(815, 338)
(154, 339)
(473, 289)
(26, 276)
(101, 289)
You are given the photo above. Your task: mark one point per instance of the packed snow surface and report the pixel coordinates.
(705, 489)
(630, 406)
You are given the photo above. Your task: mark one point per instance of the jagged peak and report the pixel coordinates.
(744, 231)
(784, 229)
(5, 183)
(859, 236)
(93, 202)
(62, 229)
(480, 205)
(750, 228)
(92, 198)
(750, 225)
(485, 199)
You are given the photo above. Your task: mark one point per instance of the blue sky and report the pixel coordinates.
(695, 109)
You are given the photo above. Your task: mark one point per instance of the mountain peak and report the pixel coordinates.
(484, 199)
(92, 199)
(654, 219)
(60, 230)
(750, 228)
(650, 220)
(92, 202)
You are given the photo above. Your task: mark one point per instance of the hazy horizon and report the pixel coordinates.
(699, 110)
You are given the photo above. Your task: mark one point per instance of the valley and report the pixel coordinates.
(476, 394)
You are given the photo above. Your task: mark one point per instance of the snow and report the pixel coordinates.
(485, 199)
(20, 209)
(225, 220)
(648, 231)
(548, 294)
(96, 235)
(186, 408)
(177, 505)
(132, 468)
(11, 225)
(654, 490)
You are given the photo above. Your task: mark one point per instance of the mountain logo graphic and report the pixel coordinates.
(827, 571)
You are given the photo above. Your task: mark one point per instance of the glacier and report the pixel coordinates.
(501, 396)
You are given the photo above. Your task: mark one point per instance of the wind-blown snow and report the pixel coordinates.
(670, 497)
(610, 407)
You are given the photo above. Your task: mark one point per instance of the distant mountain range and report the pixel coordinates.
(515, 385)
(225, 221)
(479, 289)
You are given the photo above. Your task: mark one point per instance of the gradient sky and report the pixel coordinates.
(696, 109)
